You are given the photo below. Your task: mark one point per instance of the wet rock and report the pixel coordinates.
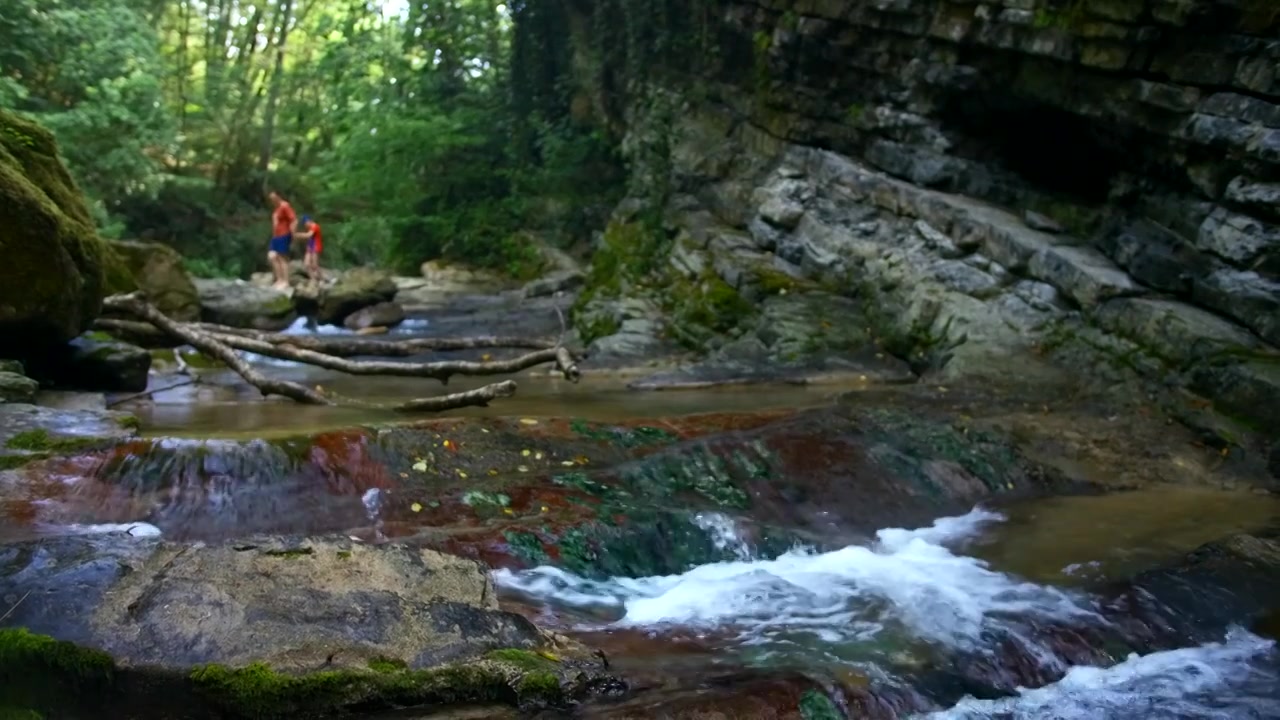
(97, 363)
(561, 281)
(1248, 390)
(30, 431)
(1036, 221)
(158, 271)
(385, 315)
(403, 626)
(1156, 257)
(357, 289)
(16, 388)
(240, 304)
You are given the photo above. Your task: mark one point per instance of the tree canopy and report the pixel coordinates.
(412, 130)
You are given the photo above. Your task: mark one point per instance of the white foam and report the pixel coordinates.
(1227, 680)
(135, 529)
(907, 581)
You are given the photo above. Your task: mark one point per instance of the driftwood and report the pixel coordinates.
(207, 344)
(441, 370)
(223, 342)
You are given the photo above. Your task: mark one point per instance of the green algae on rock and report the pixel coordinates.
(37, 671)
(52, 280)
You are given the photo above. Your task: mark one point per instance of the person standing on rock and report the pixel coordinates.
(315, 244)
(283, 225)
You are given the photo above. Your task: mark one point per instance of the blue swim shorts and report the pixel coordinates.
(280, 245)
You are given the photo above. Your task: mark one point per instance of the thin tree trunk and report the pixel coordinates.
(273, 97)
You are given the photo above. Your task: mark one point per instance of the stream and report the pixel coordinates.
(1006, 610)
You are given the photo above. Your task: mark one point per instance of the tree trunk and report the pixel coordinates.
(273, 96)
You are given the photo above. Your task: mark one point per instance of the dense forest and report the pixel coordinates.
(411, 131)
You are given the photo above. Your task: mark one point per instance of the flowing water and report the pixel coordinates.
(945, 620)
(889, 608)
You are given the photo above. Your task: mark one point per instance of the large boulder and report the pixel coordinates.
(17, 388)
(52, 277)
(97, 363)
(241, 304)
(356, 289)
(279, 627)
(157, 270)
(382, 315)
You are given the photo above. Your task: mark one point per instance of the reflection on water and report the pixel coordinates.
(223, 407)
(1080, 539)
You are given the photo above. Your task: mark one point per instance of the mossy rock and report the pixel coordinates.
(159, 272)
(15, 388)
(53, 277)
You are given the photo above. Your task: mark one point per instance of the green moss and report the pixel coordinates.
(260, 692)
(523, 659)
(630, 253)
(13, 462)
(37, 671)
(297, 552)
(39, 440)
(387, 665)
(817, 706)
(52, 279)
(702, 308)
(129, 422)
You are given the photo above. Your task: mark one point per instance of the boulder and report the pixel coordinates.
(356, 289)
(241, 304)
(99, 363)
(385, 315)
(157, 270)
(313, 626)
(52, 279)
(15, 388)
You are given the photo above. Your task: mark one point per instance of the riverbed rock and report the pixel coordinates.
(29, 432)
(384, 315)
(95, 362)
(241, 304)
(52, 278)
(158, 271)
(392, 624)
(356, 289)
(17, 388)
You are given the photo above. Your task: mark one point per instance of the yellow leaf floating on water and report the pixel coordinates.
(509, 511)
(545, 508)
(525, 453)
(549, 655)
(493, 471)
(416, 507)
(528, 421)
(537, 455)
(567, 463)
(420, 466)
(484, 430)
(581, 459)
(461, 474)
(486, 357)
(403, 475)
(523, 468)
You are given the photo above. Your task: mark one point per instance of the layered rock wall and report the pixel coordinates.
(995, 179)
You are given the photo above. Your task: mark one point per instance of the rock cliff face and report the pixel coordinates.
(995, 179)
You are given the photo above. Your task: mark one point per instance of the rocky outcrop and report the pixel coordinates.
(324, 625)
(354, 290)
(241, 304)
(157, 270)
(989, 182)
(52, 277)
(17, 388)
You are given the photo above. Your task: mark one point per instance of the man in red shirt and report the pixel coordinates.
(315, 244)
(283, 224)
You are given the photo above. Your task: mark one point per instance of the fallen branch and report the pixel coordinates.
(135, 305)
(480, 397)
(441, 370)
(222, 343)
(354, 347)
